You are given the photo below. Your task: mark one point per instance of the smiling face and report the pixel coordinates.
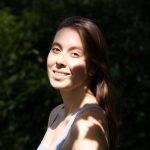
(66, 62)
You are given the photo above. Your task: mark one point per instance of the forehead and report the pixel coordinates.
(68, 36)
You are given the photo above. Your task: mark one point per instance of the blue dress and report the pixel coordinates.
(68, 127)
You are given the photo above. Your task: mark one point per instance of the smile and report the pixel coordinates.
(60, 73)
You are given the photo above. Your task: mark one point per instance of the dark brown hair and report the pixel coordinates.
(101, 86)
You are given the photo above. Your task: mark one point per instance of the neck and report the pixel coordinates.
(75, 99)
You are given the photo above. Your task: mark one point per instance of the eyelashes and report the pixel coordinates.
(56, 50)
(75, 54)
(72, 53)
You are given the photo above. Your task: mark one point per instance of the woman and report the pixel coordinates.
(77, 67)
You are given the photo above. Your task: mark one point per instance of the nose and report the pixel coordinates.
(61, 60)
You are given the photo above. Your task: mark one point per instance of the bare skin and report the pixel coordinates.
(67, 71)
(89, 130)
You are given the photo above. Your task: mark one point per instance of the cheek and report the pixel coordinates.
(79, 69)
(50, 60)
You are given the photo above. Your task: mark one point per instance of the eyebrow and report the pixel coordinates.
(56, 44)
(72, 48)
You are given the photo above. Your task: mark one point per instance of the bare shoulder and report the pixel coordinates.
(91, 117)
(90, 130)
(54, 113)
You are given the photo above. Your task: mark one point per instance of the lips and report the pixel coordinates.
(60, 73)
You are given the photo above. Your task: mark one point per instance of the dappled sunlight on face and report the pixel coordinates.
(66, 62)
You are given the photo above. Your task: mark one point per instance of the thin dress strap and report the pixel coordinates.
(71, 121)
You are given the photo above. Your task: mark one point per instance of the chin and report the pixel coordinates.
(59, 86)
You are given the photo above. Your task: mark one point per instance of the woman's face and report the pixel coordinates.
(66, 62)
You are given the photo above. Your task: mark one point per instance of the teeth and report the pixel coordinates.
(59, 73)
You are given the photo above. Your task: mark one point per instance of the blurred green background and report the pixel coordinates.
(26, 99)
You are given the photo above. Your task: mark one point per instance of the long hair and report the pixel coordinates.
(95, 47)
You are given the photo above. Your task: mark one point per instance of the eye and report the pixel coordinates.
(55, 50)
(75, 54)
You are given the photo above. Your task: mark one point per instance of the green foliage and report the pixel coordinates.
(26, 29)
(22, 84)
